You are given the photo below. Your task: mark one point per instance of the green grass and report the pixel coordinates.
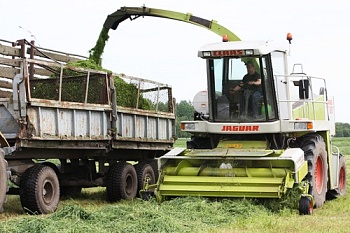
(343, 145)
(181, 142)
(91, 213)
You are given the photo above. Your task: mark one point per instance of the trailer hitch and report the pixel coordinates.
(148, 190)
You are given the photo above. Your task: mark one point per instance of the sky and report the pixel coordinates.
(165, 50)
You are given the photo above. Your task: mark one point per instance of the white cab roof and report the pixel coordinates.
(262, 47)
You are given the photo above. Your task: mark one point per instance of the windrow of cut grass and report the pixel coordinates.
(188, 214)
(91, 213)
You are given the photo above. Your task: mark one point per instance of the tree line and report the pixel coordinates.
(342, 129)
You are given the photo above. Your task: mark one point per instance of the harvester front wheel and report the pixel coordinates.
(305, 206)
(39, 190)
(315, 153)
(121, 182)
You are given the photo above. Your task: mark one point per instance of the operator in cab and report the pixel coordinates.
(252, 91)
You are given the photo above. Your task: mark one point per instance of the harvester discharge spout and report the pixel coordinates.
(113, 20)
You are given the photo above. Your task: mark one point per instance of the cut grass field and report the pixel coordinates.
(91, 213)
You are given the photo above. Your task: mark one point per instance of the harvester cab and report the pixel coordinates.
(270, 135)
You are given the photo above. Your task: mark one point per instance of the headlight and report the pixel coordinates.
(188, 126)
(303, 125)
(206, 54)
(249, 52)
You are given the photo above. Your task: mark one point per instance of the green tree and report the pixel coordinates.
(162, 107)
(346, 133)
(184, 112)
(339, 133)
(342, 129)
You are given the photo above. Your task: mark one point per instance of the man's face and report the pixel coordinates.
(250, 69)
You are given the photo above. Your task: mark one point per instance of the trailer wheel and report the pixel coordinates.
(39, 190)
(121, 182)
(144, 171)
(305, 206)
(3, 180)
(315, 154)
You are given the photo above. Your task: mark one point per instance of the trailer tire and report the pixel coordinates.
(305, 206)
(315, 154)
(3, 180)
(144, 171)
(121, 182)
(39, 190)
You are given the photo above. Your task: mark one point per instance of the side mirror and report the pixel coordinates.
(304, 89)
(322, 90)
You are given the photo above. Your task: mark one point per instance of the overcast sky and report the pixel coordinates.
(166, 51)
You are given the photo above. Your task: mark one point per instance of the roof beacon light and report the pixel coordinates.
(224, 38)
(289, 37)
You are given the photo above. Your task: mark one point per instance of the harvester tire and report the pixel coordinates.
(39, 190)
(144, 171)
(121, 182)
(305, 206)
(341, 190)
(342, 176)
(315, 154)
